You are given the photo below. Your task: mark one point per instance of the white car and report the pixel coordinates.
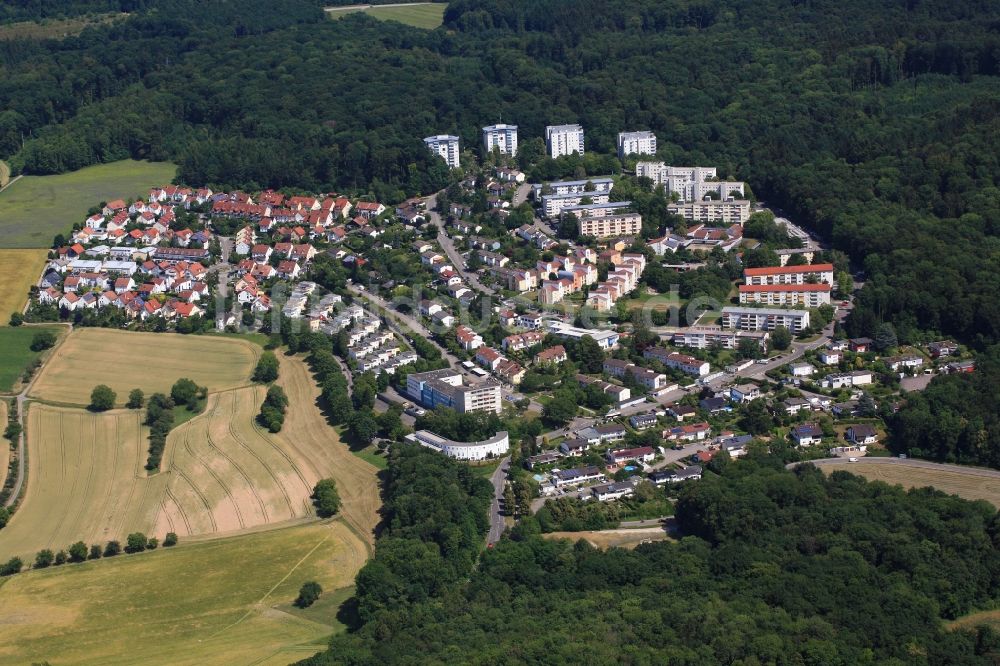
(850, 460)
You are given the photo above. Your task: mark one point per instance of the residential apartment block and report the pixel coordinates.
(554, 204)
(690, 183)
(563, 140)
(636, 143)
(622, 280)
(811, 274)
(444, 388)
(682, 362)
(595, 184)
(764, 319)
(606, 220)
(502, 137)
(734, 211)
(606, 339)
(649, 379)
(805, 295)
(446, 146)
(494, 447)
(704, 337)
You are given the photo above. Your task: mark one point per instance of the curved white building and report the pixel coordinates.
(496, 446)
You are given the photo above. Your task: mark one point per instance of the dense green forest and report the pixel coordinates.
(778, 567)
(884, 136)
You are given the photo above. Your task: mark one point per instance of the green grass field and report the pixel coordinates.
(419, 15)
(36, 208)
(226, 601)
(15, 352)
(53, 28)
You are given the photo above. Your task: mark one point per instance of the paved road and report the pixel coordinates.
(498, 480)
(449, 247)
(981, 472)
(521, 195)
(21, 401)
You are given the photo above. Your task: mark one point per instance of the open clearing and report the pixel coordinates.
(53, 28)
(620, 538)
(16, 354)
(420, 15)
(36, 208)
(966, 485)
(226, 601)
(19, 271)
(125, 360)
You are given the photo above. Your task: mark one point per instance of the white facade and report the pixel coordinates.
(494, 447)
(564, 140)
(764, 319)
(502, 137)
(553, 204)
(731, 212)
(446, 146)
(633, 143)
(689, 183)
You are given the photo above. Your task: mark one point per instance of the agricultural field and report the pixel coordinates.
(16, 354)
(36, 208)
(4, 174)
(420, 15)
(85, 481)
(618, 538)
(125, 360)
(221, 473)
(968, 485)
(19, 271)
(223, 601)
(309, 437)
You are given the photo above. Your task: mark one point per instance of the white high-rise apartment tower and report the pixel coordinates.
(632, 143)
(446, 146)
(563, 140)
(502, 137)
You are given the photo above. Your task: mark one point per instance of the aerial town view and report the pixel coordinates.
(500, 332)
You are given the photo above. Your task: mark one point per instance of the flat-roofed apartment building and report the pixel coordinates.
(604, 220)
(636, 143)
(764, 319)
(564, 140)
(703, 337)
(444, 388)
(446, 146)
(814, 273)
(733, 211)
(806, 295)
(690, 183)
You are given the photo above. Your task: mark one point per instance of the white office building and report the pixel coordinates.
(564, 140)
(636, 143)
(495, 447)
(446, 146)
(502, 137)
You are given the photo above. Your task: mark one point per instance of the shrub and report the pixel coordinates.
(78, 552)
(95, 552)
(325, 498)
(170, 540)
(16, 319)
(61, 558)
(102, 398)
(136, 542)
(11, 567)
(136, 399)
(113, 548)
(44, 558)
(308, 594)
(43, 340)
(267, 368)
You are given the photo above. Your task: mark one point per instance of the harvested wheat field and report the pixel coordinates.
(227, 474)
(224, 601)
(85, 481)
(125, 360)
(617, 538)
(19, 271)
(308, 437)
(971, 483)
(221, 473)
